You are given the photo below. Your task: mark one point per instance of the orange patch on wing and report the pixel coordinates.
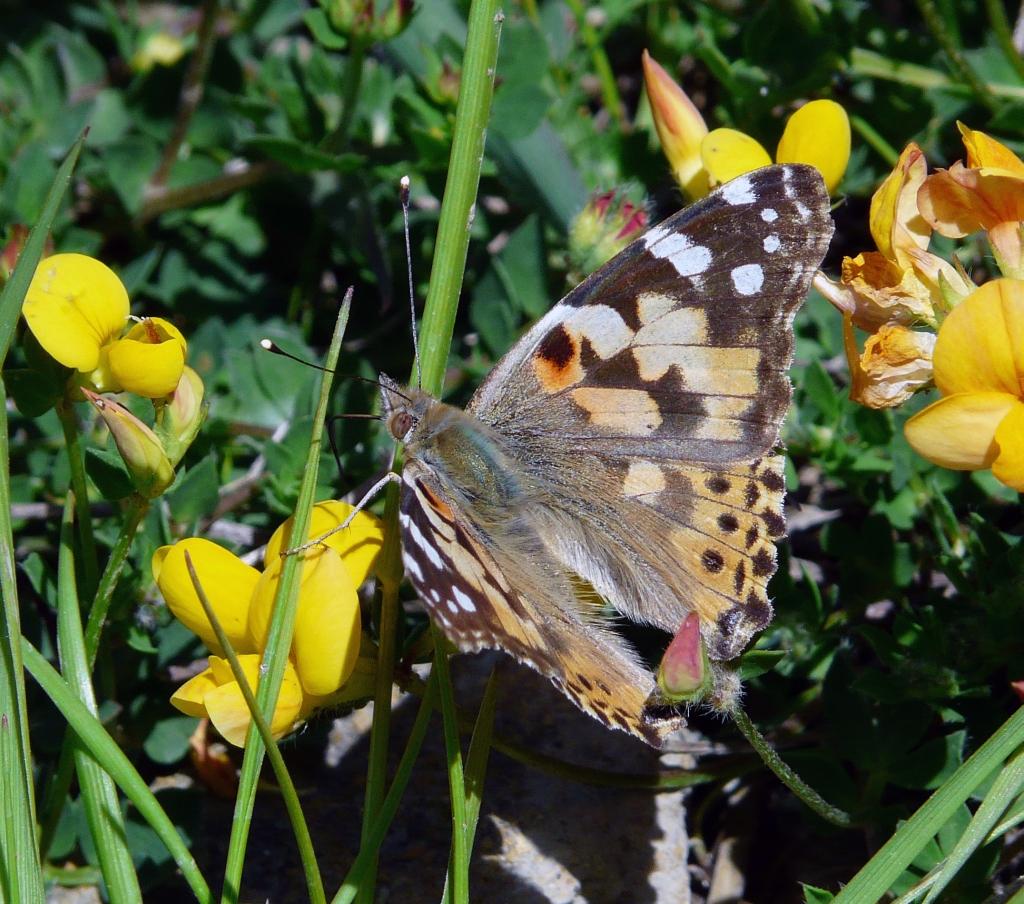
(438, 504)
(631, 412)
(556, 362)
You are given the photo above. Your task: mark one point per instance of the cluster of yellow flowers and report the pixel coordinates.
(78, 311)
(928, 322)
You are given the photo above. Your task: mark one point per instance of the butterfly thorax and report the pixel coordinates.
(460, 452)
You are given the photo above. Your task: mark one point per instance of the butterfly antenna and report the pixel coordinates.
(404, 195)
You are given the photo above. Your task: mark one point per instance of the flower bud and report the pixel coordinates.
(179, 420)
(603, 228)
(685, 672)
(139, 446)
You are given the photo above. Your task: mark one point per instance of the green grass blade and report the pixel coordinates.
(476, 769)
(282, 623)
(20, 876)
(14, 291)
(875, 877)
(106, 752)
(452, 245)
(1004, 790)
(285, 784)
(102, 808)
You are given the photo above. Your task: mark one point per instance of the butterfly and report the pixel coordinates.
(626, 443)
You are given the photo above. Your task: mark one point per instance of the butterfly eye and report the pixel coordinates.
(401, 423)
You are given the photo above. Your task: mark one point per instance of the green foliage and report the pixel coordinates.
(898, 604)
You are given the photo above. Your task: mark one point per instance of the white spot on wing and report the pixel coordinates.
(748, 278)
(464, 600)
(412, 567)
(655, 235)
(416, 535)
(687, 258)
(802, 210)
(769, 214)
(771, 243)
(739, 191)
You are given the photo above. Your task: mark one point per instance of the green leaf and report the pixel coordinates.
(320, 27)
(521, 267)
(196, 492)
(108, 472)
(303, 158)
(168, 741)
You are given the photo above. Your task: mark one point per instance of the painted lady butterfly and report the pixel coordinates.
(628, 439)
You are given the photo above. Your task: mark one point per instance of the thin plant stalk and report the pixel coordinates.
(868, 63)
(307, 855)
(282, 623)
(1004, 35)
(357, 874)
(351, 80)
(99, 794)
(599, 59)
(786, 775)
(459, 870)
(105, 750)
(939, 31)
(60, 782)
(20, 875)
(88, 558)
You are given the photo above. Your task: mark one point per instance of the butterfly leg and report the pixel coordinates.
(368, 497)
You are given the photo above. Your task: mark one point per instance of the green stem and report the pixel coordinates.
(20, 877)
(98, 792)
(358, 873)
(459, 872)
(1004, 34)
(307, 855)
(933, 21)
(600, 62)
(76, 462)
(60, 782)
(786, 775)
(873, 65)
(282, 624)
(191, 91)
(163, 198)
(880, 146)
(135, 512)
(453, 228)
(351, 80)
(380, 728)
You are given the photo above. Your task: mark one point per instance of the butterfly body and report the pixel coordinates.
(625, 445)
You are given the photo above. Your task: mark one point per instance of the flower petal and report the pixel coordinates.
(983, 151)
(896, 363)
(75, 305)
(896, 224)
(190, 697)
(1009, 464)
(680, 127)
(728, 153)
(981, 342)
(327, 626)
(819, 134)
(151, 371)
(883, 292)
(227, 581)
(959, 431)
(359, 544)
(231, 717)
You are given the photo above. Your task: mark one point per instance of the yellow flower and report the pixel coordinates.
(979, 369)
(680, 128)
(157, 49)
(817, 134)
(896, 362)
(78, 309)
(325, 665)
(987, 193)
(901, 282)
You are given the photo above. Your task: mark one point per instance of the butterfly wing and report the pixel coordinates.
(497, 589)
(649, 401)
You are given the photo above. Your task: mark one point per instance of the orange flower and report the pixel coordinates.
(896, 362)
(987, 193)
(901, 282)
